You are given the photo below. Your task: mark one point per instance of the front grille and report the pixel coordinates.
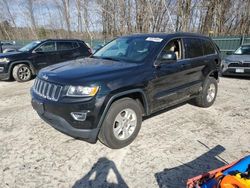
(239, 64)
(47, 90)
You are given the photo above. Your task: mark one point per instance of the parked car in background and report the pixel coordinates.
(105, 96)
(237, 63)
(28, 60)
(9, 47)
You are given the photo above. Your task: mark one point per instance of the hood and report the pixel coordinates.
(10, 54)
(86, 68)
(237, 58)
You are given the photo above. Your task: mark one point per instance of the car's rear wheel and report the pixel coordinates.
(121, 124)
(22, 73)
(208, 93)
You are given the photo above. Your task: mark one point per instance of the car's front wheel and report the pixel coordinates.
(22, 73)
(121, 124)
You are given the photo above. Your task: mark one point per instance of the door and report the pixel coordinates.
(169, 77)
(195, 61)
(45, 55)
(68, 50)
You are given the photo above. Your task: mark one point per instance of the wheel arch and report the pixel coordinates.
(136, 94)
(214, 74)
(26, 62)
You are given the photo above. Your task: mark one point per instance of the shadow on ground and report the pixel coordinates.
(177, 177)
(98, 176)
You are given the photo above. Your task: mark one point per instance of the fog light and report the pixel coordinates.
(79, 116)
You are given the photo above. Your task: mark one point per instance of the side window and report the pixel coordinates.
(75, 44)
(66, 45)
(193, 47)
(47, 47)
(174, 46)
(208, 47)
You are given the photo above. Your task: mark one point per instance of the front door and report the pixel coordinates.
(169, 78)
(45, 55)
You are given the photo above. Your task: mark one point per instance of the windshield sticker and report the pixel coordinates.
(153, 39)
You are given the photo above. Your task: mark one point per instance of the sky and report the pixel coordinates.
(43, 10)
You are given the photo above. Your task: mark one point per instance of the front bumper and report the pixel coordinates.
(58, 115)
(4, 76)
(89, 135)
(235, 70)
(4, 73)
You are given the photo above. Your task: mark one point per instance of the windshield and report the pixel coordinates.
(243, 50)
(29, 46)
(131, 49)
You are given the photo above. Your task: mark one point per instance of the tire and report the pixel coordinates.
(113, 132)
(22, 73)
(208, 93)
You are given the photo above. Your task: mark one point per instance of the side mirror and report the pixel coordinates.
(166, 57)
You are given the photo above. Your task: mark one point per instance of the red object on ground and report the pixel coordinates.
(193, 182)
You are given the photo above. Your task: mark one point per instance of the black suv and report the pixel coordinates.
(106, 96)
(28, 60)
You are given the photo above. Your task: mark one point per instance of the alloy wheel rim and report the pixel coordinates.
(211, 93)
(24, 73)
(125, 124)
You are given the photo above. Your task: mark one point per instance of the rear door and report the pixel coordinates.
(211, 57)
(68, 50)
(195, 62)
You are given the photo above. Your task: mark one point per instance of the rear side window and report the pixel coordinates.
(207, 47)
(193, 47)
(67, 45)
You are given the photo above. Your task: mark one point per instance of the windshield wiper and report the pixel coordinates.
(108, 58)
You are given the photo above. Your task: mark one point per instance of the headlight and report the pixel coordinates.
(4, 60)
(80, 91)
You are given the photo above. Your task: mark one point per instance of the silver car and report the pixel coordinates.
(238, 63)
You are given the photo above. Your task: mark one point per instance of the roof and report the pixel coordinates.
(62, 40)
(167, 35)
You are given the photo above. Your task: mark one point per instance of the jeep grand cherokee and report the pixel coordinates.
(105, 96)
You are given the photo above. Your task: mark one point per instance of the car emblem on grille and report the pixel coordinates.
(45, 77)
(241, 62)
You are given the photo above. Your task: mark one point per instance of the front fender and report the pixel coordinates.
(108, 103)
(33, 70)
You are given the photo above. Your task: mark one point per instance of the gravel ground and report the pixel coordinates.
(171, 146)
